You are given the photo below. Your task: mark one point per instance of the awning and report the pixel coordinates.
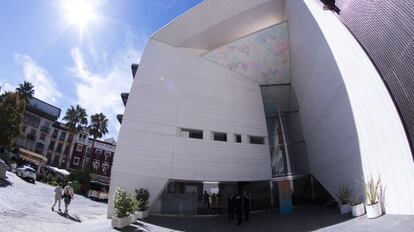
(63, 172)
(32, 157)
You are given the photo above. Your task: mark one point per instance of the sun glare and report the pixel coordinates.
(79, 12)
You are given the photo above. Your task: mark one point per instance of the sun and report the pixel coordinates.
(79, 12)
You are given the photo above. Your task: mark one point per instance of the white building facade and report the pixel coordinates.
(253, 95)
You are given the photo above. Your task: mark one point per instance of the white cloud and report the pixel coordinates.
(44, 85)
(100, 91)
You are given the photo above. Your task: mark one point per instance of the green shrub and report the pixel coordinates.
(52, 182)
(343, 195)
(372, 189)
(142, 199)
(124, 203)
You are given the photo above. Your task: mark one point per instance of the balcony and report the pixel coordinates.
(124, 97)
(134, 68)
(31, 137)
(119, 117)
(45, 129)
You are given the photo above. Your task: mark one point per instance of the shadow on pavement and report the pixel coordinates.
(307, 218)
(136, 227)
(5, 183)
(73, 218)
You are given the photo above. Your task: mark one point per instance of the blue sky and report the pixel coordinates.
(69, 65)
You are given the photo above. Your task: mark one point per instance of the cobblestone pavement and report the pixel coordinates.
(27, 207)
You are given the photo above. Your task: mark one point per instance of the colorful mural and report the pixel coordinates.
(262, 56)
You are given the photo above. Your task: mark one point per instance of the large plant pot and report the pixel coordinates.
(374, 211)
(133, 217)
(120, 223)
(142, 214)
(358, 210)
(345, 208)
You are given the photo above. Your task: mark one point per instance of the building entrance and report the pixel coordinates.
(209, 198)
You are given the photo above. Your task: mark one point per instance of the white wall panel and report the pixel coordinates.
(350, 123)
(175, 87)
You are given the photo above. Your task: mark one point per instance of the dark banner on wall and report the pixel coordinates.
(386, 31)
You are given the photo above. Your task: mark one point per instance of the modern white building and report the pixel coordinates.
(273, 96)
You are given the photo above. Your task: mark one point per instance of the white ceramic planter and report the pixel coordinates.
(133, 217)
(358, 210)
(374, 211)
(345, 209)
(142, 214)
(120, 223)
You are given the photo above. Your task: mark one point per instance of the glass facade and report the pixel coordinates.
(286, 141)
(205, 198)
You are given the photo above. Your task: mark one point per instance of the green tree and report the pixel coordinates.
(26, 90)
(76, 121)
(11, 118)
(98, 127)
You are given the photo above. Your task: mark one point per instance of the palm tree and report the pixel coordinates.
(98, 127)
(25, 90)
(76, 121)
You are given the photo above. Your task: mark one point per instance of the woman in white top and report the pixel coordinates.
(58, 196)
(68, 195)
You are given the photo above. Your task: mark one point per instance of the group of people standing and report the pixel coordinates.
(238, 204)
(66, 194)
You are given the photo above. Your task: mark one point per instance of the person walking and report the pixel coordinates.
(58, 196)
(246, 205)
(206, 201)
(230, 208)
(68, 196)
(238, 208)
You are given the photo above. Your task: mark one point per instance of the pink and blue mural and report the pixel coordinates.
(262, 56)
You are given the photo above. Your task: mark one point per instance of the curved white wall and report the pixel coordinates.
(177, 88)
(351, 126)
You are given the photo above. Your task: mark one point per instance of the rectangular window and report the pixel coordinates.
(70, 138)
(219, 136)
(107, 155)
(105, 169)
(237, 138)
(79, 148)
(66, 152)
(43, 136)
(62, 136)
(256, 140)
(76, 161)
(31, 120)
(55, 133)
(59, 147)
(51, 145)
(191, 133)
(98, 153)
(95, 165)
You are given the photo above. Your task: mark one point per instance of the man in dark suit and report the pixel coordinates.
(238, 207)
(246, 205)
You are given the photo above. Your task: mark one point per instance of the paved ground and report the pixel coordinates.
(27, 207)
(302, 219)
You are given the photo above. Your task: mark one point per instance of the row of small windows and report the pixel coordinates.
(218, 136)
(98, 152)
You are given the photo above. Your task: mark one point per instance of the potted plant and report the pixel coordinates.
(124, 205)
(342, 197)
(142, 202)
(373, 206)
(358, 208)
